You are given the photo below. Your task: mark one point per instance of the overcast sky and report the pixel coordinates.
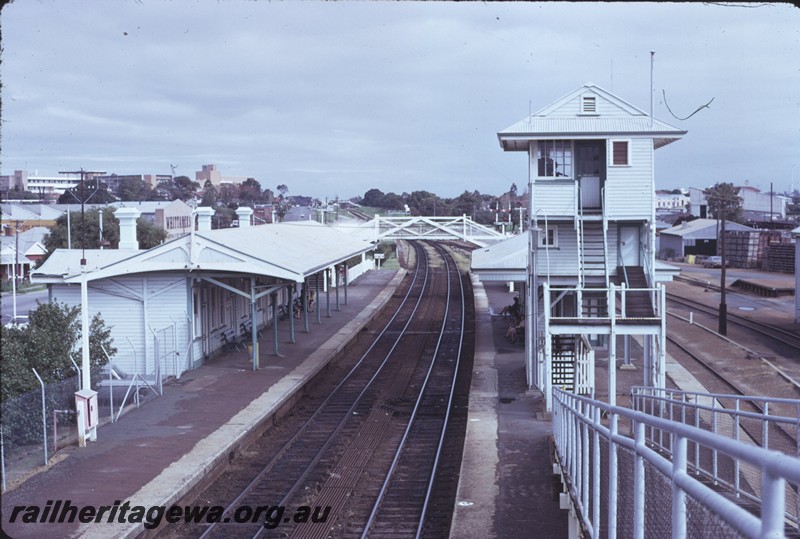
(336, 98)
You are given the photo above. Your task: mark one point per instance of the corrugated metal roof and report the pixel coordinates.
(626, 120)
(301, 246)
(700, 228)
(290, 251)
(589, 125)
(13, 212)
(510, 254)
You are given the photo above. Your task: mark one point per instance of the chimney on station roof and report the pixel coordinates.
(244, 214)
(204, 214)
(127, 227)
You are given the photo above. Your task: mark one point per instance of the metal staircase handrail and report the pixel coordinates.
(546, 243)
(605, 231)
(579, 234)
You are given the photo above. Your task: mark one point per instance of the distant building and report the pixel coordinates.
(22, 181)
(173, 216)
(113, 181)
(698, 237)
(17, 181)
(27, 216)
(212, 173)
(31, 250)
(756, 205)
(760, 206)
(669, 201)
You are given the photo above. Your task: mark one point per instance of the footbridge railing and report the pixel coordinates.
(430, 228)
(768, 422)
(619, 484)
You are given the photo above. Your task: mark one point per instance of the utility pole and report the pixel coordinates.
(86, 398)
(83, 199)
(721, 198)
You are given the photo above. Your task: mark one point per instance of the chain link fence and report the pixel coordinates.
(35, 425)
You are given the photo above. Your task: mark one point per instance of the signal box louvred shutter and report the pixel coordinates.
(620, 152)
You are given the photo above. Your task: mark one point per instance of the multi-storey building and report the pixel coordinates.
(593, 203)
(212, 173)
(22, 181)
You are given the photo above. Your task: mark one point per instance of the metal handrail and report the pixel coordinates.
(605, 230)
(546, 243)
(576, 419)
(722, 413)
(623, 291)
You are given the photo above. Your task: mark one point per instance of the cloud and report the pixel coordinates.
(347, 96)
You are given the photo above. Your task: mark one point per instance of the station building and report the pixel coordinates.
(590, 268)
(173, 306)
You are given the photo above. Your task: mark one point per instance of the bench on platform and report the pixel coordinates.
(230, 341)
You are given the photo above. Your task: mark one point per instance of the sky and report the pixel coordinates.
(335, 98)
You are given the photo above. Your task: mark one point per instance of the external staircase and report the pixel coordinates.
(638, 303)
(592, 256)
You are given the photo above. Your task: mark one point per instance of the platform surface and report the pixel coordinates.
(154, 454)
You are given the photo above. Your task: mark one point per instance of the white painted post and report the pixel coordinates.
(612, 349)
(548, 351)
(613, 475)
(773, 499)
(44, 413)
(638, 482)
(585, 461)
(679, 448)
(596, 474)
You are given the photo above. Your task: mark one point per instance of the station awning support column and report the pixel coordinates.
(290, 311)
(275, 324)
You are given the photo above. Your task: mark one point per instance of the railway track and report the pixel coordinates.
(786, 338)
(360, 214)
(778, 436)
(407, 490)
(399, 394)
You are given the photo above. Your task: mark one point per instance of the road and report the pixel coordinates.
(25, 303)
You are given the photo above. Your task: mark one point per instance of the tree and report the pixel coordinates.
(179, 188)
(223, 217)
(228, 195)
(723, 201)
(282, 189)
(392, 201)
(134, 189)
(34, 346)
(92, 191)
(148, 234)
(374, 198)
(250, 191)
(210, 195)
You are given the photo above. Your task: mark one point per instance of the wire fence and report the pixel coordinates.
(35, 425)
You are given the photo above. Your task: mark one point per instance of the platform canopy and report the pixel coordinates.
(505, 260)
(287, 251)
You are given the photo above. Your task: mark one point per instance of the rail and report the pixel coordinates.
(320, 429)
(632, 475)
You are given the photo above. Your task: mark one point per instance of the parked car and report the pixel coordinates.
(713, 262)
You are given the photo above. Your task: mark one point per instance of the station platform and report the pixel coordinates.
(507, 487)
(156, 454)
